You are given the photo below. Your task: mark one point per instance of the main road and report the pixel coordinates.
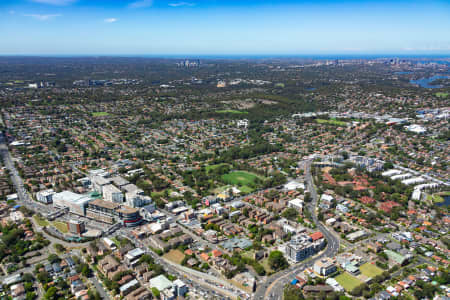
(273, 286)
(17, 181)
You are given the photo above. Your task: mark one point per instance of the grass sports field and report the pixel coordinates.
(370, 270)
(100, 114)
(442, 95)
(347, 281)
(239, 178)
(231, 111)
(331, 122)
(175, 256)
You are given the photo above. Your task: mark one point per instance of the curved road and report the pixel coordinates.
(273, 287)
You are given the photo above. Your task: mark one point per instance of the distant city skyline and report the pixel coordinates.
(224, 28)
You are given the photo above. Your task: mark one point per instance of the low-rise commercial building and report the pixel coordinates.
(325, 266)
(356, 235)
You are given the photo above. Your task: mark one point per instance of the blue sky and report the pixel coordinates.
(223, 27)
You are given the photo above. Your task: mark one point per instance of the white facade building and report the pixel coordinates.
(325, 266)
(76, 203)
(414, 180)
(112, 194)
(45, 196)
(296, 204)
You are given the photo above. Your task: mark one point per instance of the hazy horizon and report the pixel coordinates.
(235, 56)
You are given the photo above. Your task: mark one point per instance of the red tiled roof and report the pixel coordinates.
(316, 236)
(367, 200)
(388, 206)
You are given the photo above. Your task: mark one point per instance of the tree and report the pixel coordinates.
(28, 286)
(308, 197)
(245, 211)
(51, 293)
(277, 261)
(357, 291)
(31, 296)
(94, 295)
(43, 277)
(320, 216)
(155, 293)
(292, 293)
(53, 258)
(59, 247)
(290, 213)
(27, 277)
(86, 271)
(146, 259)
(259, 269)
(388, 165)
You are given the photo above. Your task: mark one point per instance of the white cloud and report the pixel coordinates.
(177, 4)
(141, 3)
(110, 20)
(55, 2)
(42, 17)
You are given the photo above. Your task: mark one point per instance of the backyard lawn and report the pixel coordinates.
(347, 281)
(370, 270)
